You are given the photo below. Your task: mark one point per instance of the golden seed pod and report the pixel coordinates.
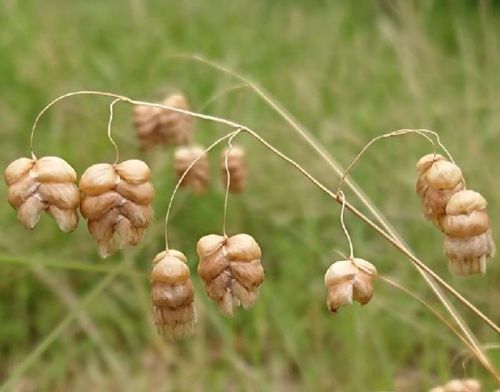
(438, 181)
(46, 184)
(155, 125)
(117, 203)
(468, 241)
(198, 176)
(236, 165)
(349, 280)
(172, 295)
(231, 270)
(457, 385)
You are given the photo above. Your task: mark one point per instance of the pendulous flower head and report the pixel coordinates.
(468, 241)
(46, 184)
(117, 203)
(231, 270)
(348, 281)
(172, 295)
(198, 176)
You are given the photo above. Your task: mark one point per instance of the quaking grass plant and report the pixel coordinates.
(231, 265)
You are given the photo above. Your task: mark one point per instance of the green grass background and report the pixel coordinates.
(349, 70)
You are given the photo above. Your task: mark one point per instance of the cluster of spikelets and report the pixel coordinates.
(158, 126)
(459, 213)
(459, 385)
(230, 268)
(115, 199)
(349, 280)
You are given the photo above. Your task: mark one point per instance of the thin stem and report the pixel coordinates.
(179, 182)
(228, 179)
(117, 150)
(375, 139)
(351, 249)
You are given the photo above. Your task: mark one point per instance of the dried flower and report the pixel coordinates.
(163, 126)
(231, 269)
(236, 165)
(466, 385)
(172, 295)
(349, 280)
(438, 180)
(468, 242)
(198, 175)
(45, 184)
(117, 203)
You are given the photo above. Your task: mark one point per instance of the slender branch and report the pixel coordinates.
(117, 150)
(389, 236)
(228, 180)
(346, 232)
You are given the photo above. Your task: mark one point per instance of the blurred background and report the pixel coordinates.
(349, 71)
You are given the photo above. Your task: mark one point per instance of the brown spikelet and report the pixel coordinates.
(45, 184)
(438, 181)
(349, 280)
(117, 203)
(172, 295)
(468, 242)
(231, 270)
(157, 126)
(198, 176)
(236, 165)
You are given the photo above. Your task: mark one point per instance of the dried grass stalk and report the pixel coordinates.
(236, 165)
(199, 175)
(468, 242)
(231, 270)
(117, 203)
(157, 126)
(349, 280)
(172, 295)
(46, 184)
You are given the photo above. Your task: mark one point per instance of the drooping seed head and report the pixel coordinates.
(349, 280)
(117, 203)
(468, 241)
(45, 184)
(198, 175)
(172, 295)
(231, 270)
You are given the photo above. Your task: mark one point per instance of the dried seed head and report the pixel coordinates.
(236, 165)
(45, 184)
(466, 385)
(468, 242)
(162, 126)
(349, 280)
(198, 175)
(438, 180)
(172, 295)
(231, 270)
(117, 203)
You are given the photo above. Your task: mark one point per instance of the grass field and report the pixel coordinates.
(349, 71)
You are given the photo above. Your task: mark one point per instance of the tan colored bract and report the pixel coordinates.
(172, 295)
(117, 203)
(438, 181)
(459, 385)
(162, 126)
(45, 184)
(231, 270)
(348, 280)
(468, 242)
